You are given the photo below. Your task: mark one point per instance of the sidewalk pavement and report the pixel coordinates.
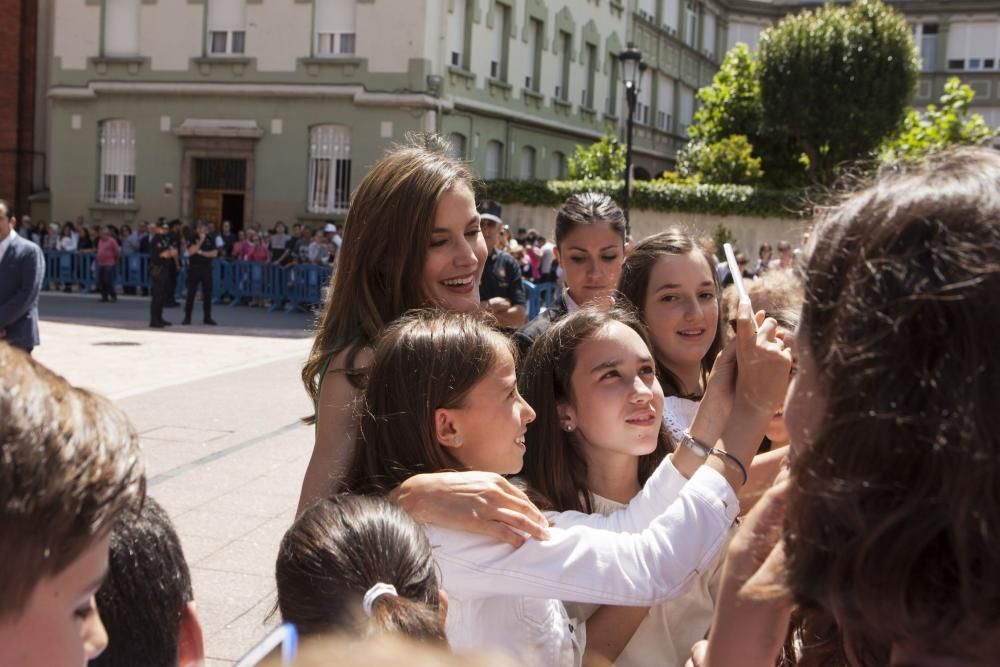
(218, 410)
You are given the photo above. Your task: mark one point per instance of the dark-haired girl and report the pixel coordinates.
(671, 282)
(412, 239)
(442, 395)
(590, 246)
(891, 514)
(580, 458)
(360, 566)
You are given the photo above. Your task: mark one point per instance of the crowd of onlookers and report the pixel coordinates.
(299, 244)
(281, 245)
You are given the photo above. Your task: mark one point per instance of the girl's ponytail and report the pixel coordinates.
(358, 565)
(395, 614)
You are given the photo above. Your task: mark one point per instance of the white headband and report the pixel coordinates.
(374, 593)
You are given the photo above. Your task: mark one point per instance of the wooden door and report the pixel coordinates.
(208, 206)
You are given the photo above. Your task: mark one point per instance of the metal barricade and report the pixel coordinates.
(306, 285)
(539, 295)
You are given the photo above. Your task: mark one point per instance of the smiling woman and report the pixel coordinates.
(412, 239)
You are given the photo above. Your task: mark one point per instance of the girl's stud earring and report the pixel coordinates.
(458, 440)
(570, 427)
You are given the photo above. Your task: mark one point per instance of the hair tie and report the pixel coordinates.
(374, 593)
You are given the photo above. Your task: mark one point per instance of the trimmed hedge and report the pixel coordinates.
(657, 196)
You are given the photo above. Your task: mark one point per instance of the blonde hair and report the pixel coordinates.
(778, 293)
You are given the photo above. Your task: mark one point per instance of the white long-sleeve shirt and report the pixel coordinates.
(508, 599)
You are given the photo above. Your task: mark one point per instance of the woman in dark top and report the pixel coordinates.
(590, 247)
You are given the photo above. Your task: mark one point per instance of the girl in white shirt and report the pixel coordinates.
(441, 394)
(578, 463)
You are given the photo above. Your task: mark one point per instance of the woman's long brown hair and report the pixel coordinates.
(554, 466)
(427, 360)
(386, 236)
(634, 286)
(894, 515)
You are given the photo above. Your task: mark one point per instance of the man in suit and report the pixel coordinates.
(22, 268)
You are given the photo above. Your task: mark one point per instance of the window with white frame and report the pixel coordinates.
(972, 44)
(121, 28)
(691, 25)
(536, 37)
(226, 27)
(665, 103)
(458, 29)
(708, 36)
(557, 165)
(686, 109)
(746, 33)
(527, 170)
(926, 37)
(494, 160)
(117, 147)
(335, 22)
(644, 101)
(329, 168)
(671, 15)
(565, 47)
(590, 62)
(456, 145)
(501, 38)
(611, 102)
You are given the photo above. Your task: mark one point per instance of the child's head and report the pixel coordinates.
(672, 283)
(441, 395)
(414, 240)
(592, 379)
(590, 241)
(146, 602)
(894, 524)
(780, 295)
(334, 555)
(70, 466)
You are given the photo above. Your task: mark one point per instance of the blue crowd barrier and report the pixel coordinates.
(539, 295)
(306, 283)
(291, 288)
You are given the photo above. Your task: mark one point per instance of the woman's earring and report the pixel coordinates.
(458, 440)
(570, 427)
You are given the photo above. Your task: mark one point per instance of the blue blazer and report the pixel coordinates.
(22, 269)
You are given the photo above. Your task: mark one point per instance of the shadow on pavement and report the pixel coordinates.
(132, 312)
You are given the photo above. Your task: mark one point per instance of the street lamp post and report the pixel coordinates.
(632, 70)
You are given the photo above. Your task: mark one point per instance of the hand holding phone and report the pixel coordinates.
(737, 274)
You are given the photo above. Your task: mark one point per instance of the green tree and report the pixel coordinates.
(838, 80)
(729, 160)
(731, 105)
(604, 159)
(946, 124)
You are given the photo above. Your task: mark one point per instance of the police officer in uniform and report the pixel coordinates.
(201, 250)
(501, 290)
(174, 237)
(161, 259)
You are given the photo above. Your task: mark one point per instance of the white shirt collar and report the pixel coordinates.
(5, 243)
(571, 306)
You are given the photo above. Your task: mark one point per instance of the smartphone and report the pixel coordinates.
(737, 274)
(284, 637)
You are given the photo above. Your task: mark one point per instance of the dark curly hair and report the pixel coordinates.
(894, 517)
